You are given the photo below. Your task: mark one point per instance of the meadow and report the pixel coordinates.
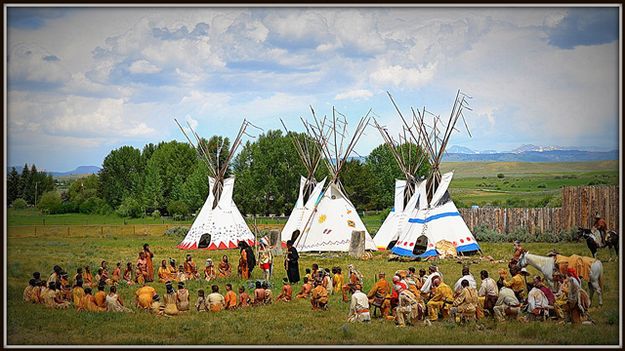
(293, 323)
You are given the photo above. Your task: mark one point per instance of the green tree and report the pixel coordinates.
(13, 183)
(19, 204)
(178, 209)
(171, 161)
(268, 172)
(121, 175)
(195, 189)
(50, 202)
(27, 191)
(130, 207)
(385, 169)
(83, 188)
(359, 183)
(153, 188)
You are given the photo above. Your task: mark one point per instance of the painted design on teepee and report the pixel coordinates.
(351, 223)
(322, 218)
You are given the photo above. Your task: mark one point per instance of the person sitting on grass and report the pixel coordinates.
(78, 293)
(507, 305)
(55, 276)
(230, 300)
(87, 277)
(28, 290)
(190, 269)
(164, 274)
(308, 274)
(225, 269)
(337, 280)
(156, 307)
(54, 298)
(144, 296)
(88, 302)
(35, 294)
(209, 271)
(441, 299)
(78, 274)
(537, 302)
(117, 273)
(100, 296)
(327, 281)
(359, 307)
(465, 303)
(201, 305)
(114, 303)
(244, 298)
(287, 291)
(319, 296)
(181, 276)
(38, 298)
(268, 293)
(170, 300)
(215, 299)
(172, 267)
(128, 274)
(142, 267)
(306, 288)
(259, 294)
(182, 298)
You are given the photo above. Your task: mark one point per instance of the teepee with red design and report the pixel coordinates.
(219, 225)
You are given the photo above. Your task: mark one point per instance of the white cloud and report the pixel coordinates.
(32, 63)
(404, 77)
(143, 66)
(354, 94)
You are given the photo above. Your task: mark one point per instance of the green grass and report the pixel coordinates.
(292, 323)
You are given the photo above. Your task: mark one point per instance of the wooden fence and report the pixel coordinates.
(579, 205)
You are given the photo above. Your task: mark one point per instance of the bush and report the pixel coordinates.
(500, 175)
(156, 214)
(178, 209)
(383, 214)
(93, 205)
(177, 231)
(50, 202)
(541, 185)
(130, 207)
(19, 204)
(69, 207)
(485, 234)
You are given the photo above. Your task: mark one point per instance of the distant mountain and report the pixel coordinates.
(460, 150)
(535, 156)
(488, 152)
(531, 147)
(78, 170)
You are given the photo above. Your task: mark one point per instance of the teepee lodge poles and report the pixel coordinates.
(429, 137)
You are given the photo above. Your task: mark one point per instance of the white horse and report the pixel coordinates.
(546, 266)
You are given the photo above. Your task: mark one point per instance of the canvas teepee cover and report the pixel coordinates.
(219, 225)
(301, 211)
(396, 220)
(218, 228)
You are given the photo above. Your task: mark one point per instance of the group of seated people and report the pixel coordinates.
(188, 270)
(407, 299)
(411, 298)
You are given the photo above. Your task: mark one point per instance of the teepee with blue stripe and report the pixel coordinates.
(432, 217)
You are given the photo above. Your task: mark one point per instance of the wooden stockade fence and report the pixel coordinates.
(579, 205)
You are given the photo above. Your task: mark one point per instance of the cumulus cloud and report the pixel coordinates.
(399, 76)
(143, 66)
(34, 64)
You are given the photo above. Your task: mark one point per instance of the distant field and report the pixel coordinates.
(490, 169)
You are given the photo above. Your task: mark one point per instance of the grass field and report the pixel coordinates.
(292, 323)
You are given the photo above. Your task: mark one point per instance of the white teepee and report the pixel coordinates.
(218, 228)
(333, 218)
(396, 220)
(433, 217)
(219, 225)
(301, 211)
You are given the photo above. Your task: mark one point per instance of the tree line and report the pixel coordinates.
(171, 178)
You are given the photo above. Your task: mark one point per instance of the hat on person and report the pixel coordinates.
(395, 278)
(597, 215)
(524, 271)
(517, 242)
(209, 262)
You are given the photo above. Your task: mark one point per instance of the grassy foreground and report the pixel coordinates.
(292, 323)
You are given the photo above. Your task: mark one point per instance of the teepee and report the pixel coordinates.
(309, 188)
(330, 224)
(409, 158)
(434, 223)
(219, 225)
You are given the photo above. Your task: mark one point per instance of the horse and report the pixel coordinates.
(594, 242)
(546, 266)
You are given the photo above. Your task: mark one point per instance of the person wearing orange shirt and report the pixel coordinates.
(148, 260)
(100, 296)
(164, 274)
(230, 300)
(379, 295)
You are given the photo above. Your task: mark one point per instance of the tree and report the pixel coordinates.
(83, 188)
(267, 172)
(13, 183)
(195, 189)
(26, 191)
(19, 204)
(385, 170)
(50, 202)
(178, 209)
(121, 175)
(359, 184)
(152, 188)
(130, 207)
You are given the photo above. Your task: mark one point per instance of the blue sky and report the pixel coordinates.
(84, 81)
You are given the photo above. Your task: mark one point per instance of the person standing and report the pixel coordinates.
(291, 263)
(149, 265)
(265, 258)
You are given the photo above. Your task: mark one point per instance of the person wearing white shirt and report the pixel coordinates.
(488, 291)
(465, 275)
(537, 302)
(359, 307)
(427, 286)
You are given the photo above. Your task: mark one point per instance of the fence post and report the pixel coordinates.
(101, 230)
(67, 230)
(134, 230)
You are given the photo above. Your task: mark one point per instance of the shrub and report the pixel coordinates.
(156, 214)
(500, 175)
(130, 207)
(93, 205)
(178, 209)
(384, 213)
(19, 204)
(50, 202)
(177, 231)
